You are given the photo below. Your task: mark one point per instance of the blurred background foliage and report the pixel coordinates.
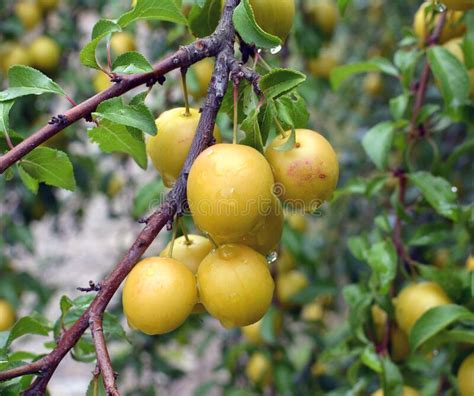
(322, 334)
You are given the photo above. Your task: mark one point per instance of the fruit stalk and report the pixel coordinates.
(220, 43)
(185, 90)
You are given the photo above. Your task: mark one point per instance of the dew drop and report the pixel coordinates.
(272, 257)
(275, 50)
(454, 189)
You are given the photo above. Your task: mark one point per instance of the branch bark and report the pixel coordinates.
(220, 43)
(420, 93)
(103, 357)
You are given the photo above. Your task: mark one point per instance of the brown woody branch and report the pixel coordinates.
(422, 85)
(220, 43)
(414, 132)
(103, 357)
(184, 57)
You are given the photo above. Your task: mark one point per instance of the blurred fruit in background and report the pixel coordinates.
(29, 13)
(7, 315)
(44, 53)
(122, 42)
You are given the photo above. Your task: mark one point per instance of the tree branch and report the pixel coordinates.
(103, 357)
(422, 85)
(184, 57)
(420, 95)
(221, 42)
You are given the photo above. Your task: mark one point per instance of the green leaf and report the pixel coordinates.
(135, 116)
(29, 182)
(162, 10)
(280, 81)
(24, 80)
(113, 137)
(269, 323)
(65, 304)
(342, 4)
(457, 336)
(112, 327)
(451, 74)
(147, 198)
(27, 325)
(359, 247)
(96, 387)
(377, 143)
(341, 73)
(468, 47)
(398, 106)
(251, 33)
(266, 120)
(284, 379)
(438, 192)
(359, 301)
(392, 378)
(203, 19)
(406, 61)
(101, 29)
(251, 127)
(370, 358)
(131, 63)
(5, 108)
(50, 166)
(435, 320)
(430, 234)
(292, 111)
(382, 258)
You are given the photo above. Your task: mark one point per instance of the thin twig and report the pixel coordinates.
(184, 57)
(103, 357)
(9, 141)
(422, 86)
(414, 133)
(397, 230)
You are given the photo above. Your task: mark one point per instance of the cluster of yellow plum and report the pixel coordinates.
(236, 196)
(231, 196)
(43, 52)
